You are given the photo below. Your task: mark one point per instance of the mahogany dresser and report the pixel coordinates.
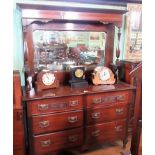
(68, 118)
(18, 122)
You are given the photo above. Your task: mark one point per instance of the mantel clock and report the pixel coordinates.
(46, 80)
(77, 76)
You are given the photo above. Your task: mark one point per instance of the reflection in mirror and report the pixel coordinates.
(58, 50)
(136, 31)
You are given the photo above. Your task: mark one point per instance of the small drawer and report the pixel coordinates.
(106, 131)
(54, 105)
(59, 140)
(56, 122)
(100, 115)
(107, 99)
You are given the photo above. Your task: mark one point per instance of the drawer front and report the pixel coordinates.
(54, 105)
(55, 122)
(58, 140)
(107, 99)
(99, 115)
(106, 131)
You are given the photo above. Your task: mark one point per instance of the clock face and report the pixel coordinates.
(78, 73)
(48, 79)
(104, 75)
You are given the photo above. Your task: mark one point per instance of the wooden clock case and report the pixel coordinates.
(41, 86)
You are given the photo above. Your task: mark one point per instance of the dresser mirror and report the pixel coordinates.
(58, 50)
(57, 45)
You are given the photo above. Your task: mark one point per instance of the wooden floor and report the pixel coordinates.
(111, 149)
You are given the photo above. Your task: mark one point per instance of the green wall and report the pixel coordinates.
(18, 56)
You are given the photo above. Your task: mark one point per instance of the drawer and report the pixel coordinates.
(54, 105)
(99, 115)
(107, 99)
(59, 140)
(55, 122)
(106, 132)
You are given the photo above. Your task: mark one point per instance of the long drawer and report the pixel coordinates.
(106, 132)
(105, 114)
(107, 99)
(58, 104)
(55, 122)
(44, 144)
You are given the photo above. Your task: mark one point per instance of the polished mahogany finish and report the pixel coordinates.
(99, 113)
(66, 91)
(106, 114)
(58, 20)
(48, 143)
(136, 76)
(52, 105)
(107, 99)
(55, 122)
(18, 121)
(106, 132)
(66, 117)
(125, 67)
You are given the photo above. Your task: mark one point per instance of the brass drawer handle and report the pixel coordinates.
(42, 106)
(46, 143)
(96, 133)
(44, 124)
(120, 97)
(74, 103)
(119, 128)
(72, 119)
(120, 111)
(97, 100)
(73, 138)
(95, 115)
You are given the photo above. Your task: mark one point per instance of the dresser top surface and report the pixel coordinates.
(63, 91)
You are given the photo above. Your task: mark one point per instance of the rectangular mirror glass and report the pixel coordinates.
(58, 50)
